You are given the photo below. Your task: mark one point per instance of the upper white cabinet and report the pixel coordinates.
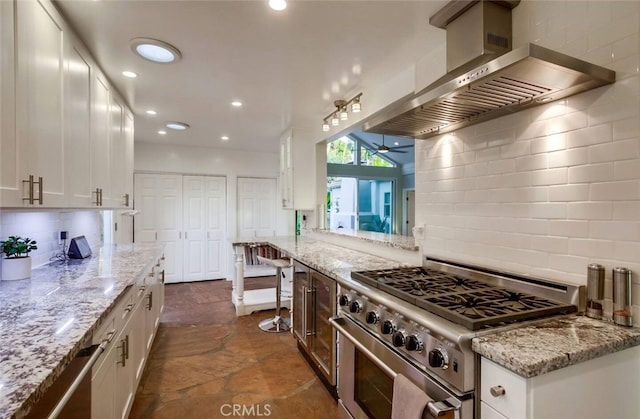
(65, 137)
(77, 122)
(39, 103)
(10, 186)
(297, 171)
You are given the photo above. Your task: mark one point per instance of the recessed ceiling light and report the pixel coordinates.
(178, 126)
(155, 50)
(396, 143)
(151, 112)
(278, 4)
(224, 138)
(236, 103)
(162, 132)
(129, 74)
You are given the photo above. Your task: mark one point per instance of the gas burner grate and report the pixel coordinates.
(471, 303)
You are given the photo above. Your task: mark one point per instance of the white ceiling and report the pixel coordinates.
(286, 67)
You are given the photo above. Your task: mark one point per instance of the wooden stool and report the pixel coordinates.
(277, 323)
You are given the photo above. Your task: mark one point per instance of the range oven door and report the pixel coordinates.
(366, 370)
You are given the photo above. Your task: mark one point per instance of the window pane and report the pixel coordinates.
(368, 158)
(341, 203)
(375, 211)
(341, 151)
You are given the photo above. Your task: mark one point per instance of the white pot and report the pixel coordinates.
(16, 268)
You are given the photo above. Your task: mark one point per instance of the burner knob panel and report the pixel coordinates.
(398, 338)
(438, 358)
(414, 343)
(356, 307)
(372, 317)
(344, 300)
(388, 327)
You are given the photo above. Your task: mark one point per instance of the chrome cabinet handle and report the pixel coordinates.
(123, 352)
(125, 199)
(30, 182)
(150, 300)
(497, 391)
(40, 190)
(97, 192)
(32, 197)
(128, 308)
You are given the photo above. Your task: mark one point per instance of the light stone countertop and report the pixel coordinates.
(550, 345)
(330, 259)
(45, 320)
(391, 240)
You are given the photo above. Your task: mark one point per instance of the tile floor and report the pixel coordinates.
(205, 360)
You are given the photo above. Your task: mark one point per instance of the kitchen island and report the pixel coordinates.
(47, 319)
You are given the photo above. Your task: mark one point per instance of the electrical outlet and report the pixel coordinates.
(62, 236)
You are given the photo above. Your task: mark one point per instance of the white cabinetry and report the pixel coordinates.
(599, 388)
(56, 117)
(131, 327)
(77, 121)
(186, 214)
(39, 104)
(10, 185)
(297, 171)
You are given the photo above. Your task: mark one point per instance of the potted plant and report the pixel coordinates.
(16, 263)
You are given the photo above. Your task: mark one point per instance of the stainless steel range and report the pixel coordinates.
(419, 322)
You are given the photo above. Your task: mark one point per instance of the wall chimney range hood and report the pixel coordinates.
(486, 79)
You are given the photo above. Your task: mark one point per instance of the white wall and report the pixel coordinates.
(549, 190)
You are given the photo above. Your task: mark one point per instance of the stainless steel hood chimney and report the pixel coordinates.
(481, 84)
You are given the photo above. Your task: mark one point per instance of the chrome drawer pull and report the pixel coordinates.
(497, 391)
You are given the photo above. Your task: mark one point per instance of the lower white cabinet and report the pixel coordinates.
(130, 329)
(604, 387)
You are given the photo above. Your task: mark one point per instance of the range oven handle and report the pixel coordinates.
(334, 322)
(76, 383)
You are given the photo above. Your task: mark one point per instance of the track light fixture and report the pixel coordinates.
(341, 112)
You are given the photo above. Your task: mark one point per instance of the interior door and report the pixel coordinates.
(159, 200)
(194, 228)
(256, 207)
(215, 219)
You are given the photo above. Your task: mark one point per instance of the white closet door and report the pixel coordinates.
(256, 207)
(215, 199)
(159, 200)
(194, 228)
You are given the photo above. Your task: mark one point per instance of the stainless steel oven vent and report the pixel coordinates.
(518, 79)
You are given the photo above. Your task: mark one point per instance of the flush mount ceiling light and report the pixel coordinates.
(341, 113)
(224, 138)
(155, 50)
(236, 104)
(151, 112)
(130, 74)
(178, 126)
(278, 5)
(162, 132)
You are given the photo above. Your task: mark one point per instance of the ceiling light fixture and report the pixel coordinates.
(151, 112)
(236, 103)
(341, 113)
(278, 5)
(130, 74)
(162, 132)
(224, 138)
(155, 50)
(178, 126)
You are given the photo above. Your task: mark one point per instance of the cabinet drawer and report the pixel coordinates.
(487, 412)
(512, 403)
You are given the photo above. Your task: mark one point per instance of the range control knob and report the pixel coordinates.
(388, 327)
(413, 343)
(438, 358)
(398, 338)
(344, 300)
(372, 317)
(356, 307)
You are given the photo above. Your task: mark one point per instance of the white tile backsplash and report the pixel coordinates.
(45, 227)
(553, 188)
